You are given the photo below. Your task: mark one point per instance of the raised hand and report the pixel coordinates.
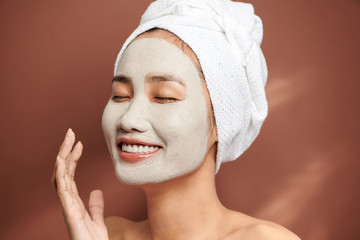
(80, 224)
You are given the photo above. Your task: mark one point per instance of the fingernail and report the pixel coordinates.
(68, 131)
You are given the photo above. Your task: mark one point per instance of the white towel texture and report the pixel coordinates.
(226, 38)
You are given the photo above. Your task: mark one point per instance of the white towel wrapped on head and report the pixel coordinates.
(226, 38)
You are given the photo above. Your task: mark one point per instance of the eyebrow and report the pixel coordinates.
(166, 78)
(121, 79)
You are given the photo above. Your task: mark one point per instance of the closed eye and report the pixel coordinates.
(165, 100)
(120, 98)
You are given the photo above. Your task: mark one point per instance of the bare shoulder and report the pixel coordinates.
(269, 231)
(252, 228)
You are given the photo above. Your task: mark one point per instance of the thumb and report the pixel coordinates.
(96, 206)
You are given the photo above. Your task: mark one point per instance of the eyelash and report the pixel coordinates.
(165, 99)
(115, 98)
(158, 99)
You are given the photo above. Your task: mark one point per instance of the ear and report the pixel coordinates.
(213, 142)
(213, 135)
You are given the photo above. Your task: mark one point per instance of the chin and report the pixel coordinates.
(134, 175)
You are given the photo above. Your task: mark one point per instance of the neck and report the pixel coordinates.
(186, 207)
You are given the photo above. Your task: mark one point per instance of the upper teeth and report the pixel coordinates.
(136, 148)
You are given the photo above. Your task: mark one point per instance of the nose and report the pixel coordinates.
(135, 118)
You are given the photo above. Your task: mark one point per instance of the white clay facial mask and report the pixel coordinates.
(156, 122)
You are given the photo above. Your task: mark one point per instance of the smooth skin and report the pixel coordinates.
(186, 207)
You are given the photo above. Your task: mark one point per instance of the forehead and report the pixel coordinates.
(154, 54)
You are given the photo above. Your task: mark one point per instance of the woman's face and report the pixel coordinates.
(156, 122)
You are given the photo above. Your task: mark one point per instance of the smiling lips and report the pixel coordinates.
(133, 151)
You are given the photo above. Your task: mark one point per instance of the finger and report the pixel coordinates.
(60, 182)
(67, 144)
(96, 206)
(71, 186)
(66, 187)
(53, 179)
(74, 158)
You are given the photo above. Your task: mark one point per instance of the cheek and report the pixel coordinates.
(181, 121)
(109, 119)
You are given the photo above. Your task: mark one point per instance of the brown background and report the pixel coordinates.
(56, 63)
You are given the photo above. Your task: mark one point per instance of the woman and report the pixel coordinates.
(188, 94)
